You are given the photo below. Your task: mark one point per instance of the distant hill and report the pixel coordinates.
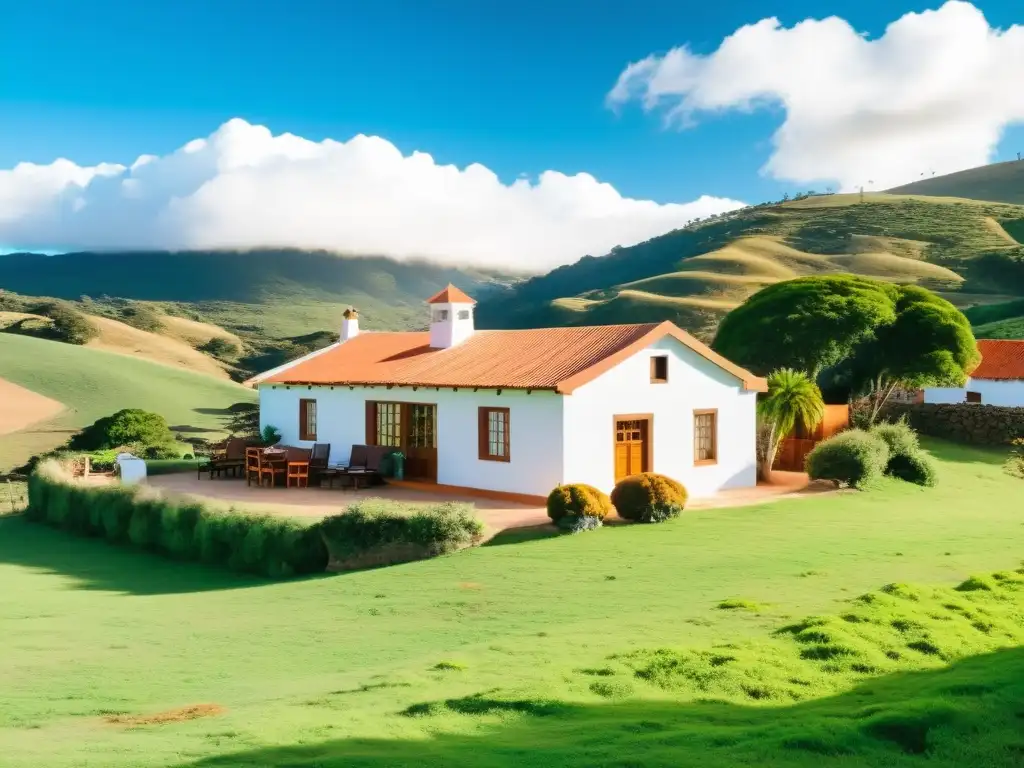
(272, 292)
(998, 182)
(998, 321)
(91, 383)
(968, 251)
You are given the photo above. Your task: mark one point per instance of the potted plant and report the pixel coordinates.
(270, 435)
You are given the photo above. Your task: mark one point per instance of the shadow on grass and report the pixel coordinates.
(96, 564)
(968, 714)
(522, 535)
(961, 453)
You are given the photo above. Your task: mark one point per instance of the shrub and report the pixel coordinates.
(1015, 462)
(275, 547)
(379, 532)
(163, 451)
(130, 426)
(69, 325)
(854, 457)
(916, 467)
(221, 348)
(899, 436)
(578, 500)
(648, 498)
(142, 317)
(270, 435)
(578, 523)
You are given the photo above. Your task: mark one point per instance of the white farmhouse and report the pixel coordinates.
(998, 379)
(520, 412)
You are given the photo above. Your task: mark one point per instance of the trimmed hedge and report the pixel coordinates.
(649, 498)
(274, 547)
(380, 532)
(854, 457)
(578, 500)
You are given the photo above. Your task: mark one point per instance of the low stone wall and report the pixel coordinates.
(962, 422)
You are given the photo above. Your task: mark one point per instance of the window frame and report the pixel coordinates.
(484, 433)
(713, 413)
(304, 431)
(657, 360)
(970, 396)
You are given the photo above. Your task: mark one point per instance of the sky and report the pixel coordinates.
(468, 131)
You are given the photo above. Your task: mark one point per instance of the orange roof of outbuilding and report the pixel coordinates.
(451, 295)
(1000, 359)
(559, 359)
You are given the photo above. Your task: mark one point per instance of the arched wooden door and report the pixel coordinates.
(632, 445)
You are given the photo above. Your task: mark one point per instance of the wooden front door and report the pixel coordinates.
(632, 436)
(410, 428)
(421, 442)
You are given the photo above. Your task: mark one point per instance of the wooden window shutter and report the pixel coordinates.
(371, 422)
(302, 418)
(481, 432)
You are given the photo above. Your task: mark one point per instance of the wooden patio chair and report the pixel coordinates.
(210, 463)
(253, 465)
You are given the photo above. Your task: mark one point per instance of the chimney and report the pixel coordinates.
(451, 318)
(349, 324)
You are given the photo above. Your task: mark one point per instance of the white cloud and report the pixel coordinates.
(933, 94)
(244, 187)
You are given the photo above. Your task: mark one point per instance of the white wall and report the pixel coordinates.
(944, 395)
(693, 383)
(998, 392)
(992, 391)
(535, 430)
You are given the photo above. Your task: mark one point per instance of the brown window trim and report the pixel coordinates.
(483, 433)
(304, 418)
(655, 378)
(705, 412)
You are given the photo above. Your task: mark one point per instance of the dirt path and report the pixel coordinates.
(20, 407)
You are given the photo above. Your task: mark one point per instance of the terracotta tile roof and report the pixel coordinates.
(1000, 359)
(451, 295)
(545, 358)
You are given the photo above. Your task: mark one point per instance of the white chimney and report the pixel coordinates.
(349, 324)
(451, 318)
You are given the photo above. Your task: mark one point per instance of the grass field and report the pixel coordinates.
(92, 383)
(532, 652)
(1003, 182)
(968, 251)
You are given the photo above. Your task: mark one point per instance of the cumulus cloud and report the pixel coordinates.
(243, 187)
(932, 94)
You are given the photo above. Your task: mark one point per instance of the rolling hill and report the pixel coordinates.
(90, 383)
(272, 293)
(998, 182)
(968, 251)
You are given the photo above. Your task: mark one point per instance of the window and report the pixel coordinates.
(494, 434)
(705, 436)
(422, 426)
(440, 315)
(463, 314)
(307, 419)
(659, 369)
(974, 397)
(389, 424)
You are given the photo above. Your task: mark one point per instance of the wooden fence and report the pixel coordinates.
(794, 449)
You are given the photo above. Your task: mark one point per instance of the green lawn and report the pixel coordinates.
(93, 383)
(516, 638)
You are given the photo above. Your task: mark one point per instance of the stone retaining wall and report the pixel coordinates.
(962, 422)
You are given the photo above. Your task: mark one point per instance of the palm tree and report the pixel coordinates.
(792, 398)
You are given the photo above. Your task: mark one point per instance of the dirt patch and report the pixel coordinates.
(194, 712)
(20, 407)
(119, 337)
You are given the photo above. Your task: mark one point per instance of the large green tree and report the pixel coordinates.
(870, 335)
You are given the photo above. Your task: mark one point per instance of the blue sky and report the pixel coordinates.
(520, 90)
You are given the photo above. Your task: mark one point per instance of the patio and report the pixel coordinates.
(497, 515)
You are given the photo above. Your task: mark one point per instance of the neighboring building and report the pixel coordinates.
(520, 412)
(998, 379)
